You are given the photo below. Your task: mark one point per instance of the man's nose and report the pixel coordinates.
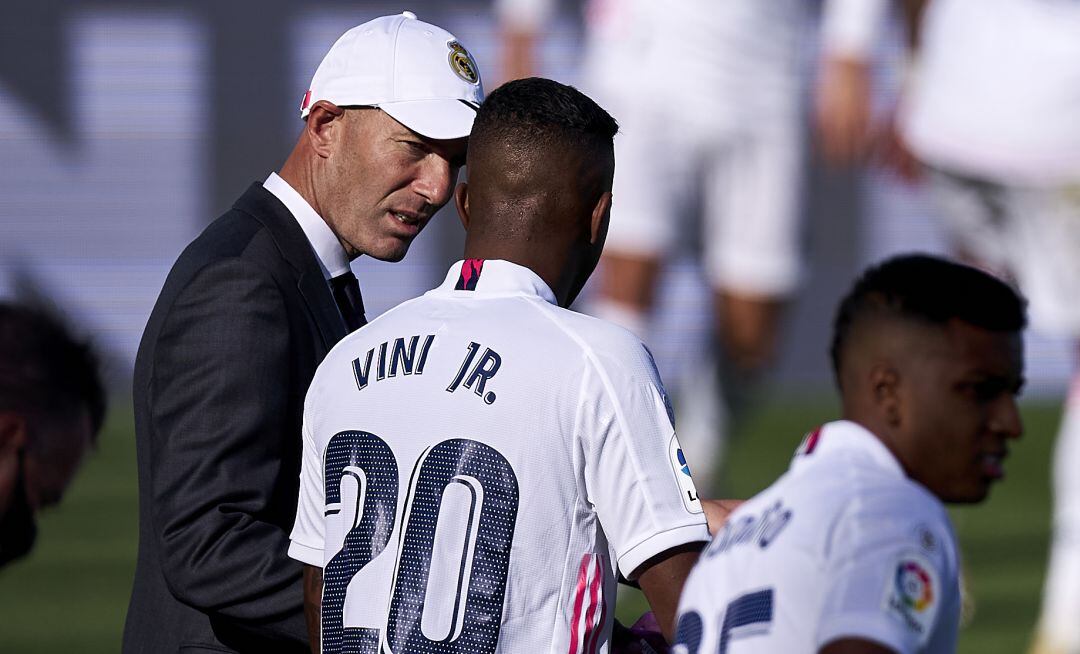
(1006, 419)
(435, 182)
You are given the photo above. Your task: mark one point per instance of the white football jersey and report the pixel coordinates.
(842, 545)
(479, 464)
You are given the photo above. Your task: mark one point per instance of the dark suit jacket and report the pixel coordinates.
(244, 319)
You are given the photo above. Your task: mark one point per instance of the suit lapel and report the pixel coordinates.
(294, 247)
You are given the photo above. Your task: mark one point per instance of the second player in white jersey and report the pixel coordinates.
(844, 544)
(851, 551)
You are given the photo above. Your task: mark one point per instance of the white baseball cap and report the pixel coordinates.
(416, 72)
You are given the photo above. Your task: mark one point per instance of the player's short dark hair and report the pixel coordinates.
(927, 289)
(44, 371)
(534, 111)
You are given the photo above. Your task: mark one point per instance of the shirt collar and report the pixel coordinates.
(851, 437)
(489, 277)
(332, 258)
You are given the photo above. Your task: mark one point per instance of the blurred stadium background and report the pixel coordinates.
(126, 126)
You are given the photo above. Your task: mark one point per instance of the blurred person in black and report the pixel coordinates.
(52, 405)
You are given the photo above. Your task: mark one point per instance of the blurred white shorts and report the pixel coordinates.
(1029, 234)
(745, 185)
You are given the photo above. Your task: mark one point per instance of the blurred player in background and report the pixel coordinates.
(710, 99)
(52, 405)
(851, 551)
(480, 464)
(988, 119)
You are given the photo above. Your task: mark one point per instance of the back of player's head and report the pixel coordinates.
(527, 115)
(541, 162)
(928, 290)
(539, 149)
(45, 373)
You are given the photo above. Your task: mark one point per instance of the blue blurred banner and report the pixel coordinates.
(127, 127)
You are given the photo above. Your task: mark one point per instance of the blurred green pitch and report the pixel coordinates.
(71, 594)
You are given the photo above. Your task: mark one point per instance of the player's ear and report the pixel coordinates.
(885, 387)
(601, 214)
(12, 432)
(321, 122)
(461, 199)
(12, 439)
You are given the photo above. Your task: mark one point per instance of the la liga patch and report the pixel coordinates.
(682, 476)
(913, 595)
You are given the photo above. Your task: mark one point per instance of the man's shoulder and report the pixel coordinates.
(879, 492)
(894, 512)
(854, 495)
(257, 227)
(231, 235)
(236, 249)
(594, 334)
(239, 237)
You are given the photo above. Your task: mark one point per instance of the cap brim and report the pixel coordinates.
(435, 119)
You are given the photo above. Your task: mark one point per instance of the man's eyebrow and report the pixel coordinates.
(1003, 380)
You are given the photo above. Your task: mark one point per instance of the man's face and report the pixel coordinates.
(48, 474)
(38, 479)
(959, 409)
(383, 182)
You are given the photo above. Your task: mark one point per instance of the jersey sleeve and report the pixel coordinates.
(893, 577)
(307, 537)
(635, 474)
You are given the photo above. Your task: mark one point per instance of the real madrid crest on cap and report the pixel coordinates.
(461, 62)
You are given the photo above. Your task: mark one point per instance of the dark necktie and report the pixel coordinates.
(346, 292)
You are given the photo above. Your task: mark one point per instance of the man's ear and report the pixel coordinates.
(12, 439)
(322, 120)
(461, 199)
(601, 215)
(12, 432)
(887, 398)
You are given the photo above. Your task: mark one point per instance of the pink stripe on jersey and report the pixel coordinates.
(579, 599)
(600, 626)
(812, 441)
(592, 636)
(594, 591)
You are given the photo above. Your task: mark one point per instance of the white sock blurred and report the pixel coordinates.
(1059, 624)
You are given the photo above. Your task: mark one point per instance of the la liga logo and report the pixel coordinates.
(914, 586)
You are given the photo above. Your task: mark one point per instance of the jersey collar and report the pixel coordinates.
(332, 258)
(844, 435)
(493, 277)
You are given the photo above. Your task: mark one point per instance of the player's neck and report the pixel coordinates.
(535, 256)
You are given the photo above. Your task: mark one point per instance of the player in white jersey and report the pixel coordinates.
(851, 551)
(480, 464)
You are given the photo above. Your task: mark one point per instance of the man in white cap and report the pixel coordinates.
(247, 313)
